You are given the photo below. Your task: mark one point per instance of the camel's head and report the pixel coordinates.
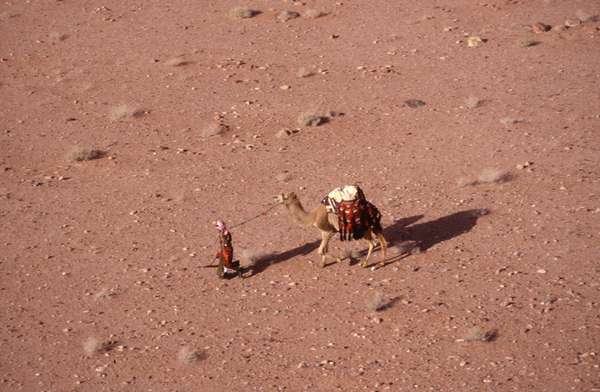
(286, 198)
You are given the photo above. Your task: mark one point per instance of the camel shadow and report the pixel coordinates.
(402, 233)
(395, 232)
(427, 234)
(264, 262)
(413, 239)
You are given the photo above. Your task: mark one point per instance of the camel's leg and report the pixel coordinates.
(324, 248)
(384, 246)
(371, 243)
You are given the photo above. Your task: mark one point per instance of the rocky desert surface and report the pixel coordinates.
(128, 127)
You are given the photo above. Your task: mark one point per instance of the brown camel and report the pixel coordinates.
(328, 225)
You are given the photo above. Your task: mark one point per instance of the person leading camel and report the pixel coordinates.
(226, 267)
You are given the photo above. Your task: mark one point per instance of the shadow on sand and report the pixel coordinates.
(274, 258)
(428, 234)
(402, 233)
(420, 237)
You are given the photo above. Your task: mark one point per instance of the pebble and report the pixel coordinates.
(474, 41)
(283, 133)
(585, 17)
(522, 166)
(540, 27)
(506, 121)
(572, 23)
(526, 43)
(310, 120)
(414, 103)
(284, 16)
(541, 271)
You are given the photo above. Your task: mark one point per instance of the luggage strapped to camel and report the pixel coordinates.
(355, 214)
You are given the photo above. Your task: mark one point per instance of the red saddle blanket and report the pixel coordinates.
(356, 217)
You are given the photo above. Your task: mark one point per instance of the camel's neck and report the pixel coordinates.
(300, 215)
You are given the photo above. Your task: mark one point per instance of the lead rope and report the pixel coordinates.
(270, 207)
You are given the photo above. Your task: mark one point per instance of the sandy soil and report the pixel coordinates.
(495, 179)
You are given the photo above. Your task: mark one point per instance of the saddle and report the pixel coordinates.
(355, 214)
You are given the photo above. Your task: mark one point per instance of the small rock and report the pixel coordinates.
(285, 87)
(313, 14)
(414, 103)
(176, 62)
(284, 16)
(283, 177)
(584, 17)
(522, 166)
(56, 36)
(310, 120)
(243, 13)
(541, 271)
(472, 102)
(572, 22)
(526, 43)
(213, 129)
(507, 121)
(474, 41)
(540, 27)
(283, 133)
(304, 72)
(188, 355)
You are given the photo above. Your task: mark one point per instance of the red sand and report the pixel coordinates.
(113, 248)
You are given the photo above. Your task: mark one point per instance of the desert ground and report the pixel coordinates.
(128, 127)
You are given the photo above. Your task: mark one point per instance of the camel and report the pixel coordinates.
(328, 225)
